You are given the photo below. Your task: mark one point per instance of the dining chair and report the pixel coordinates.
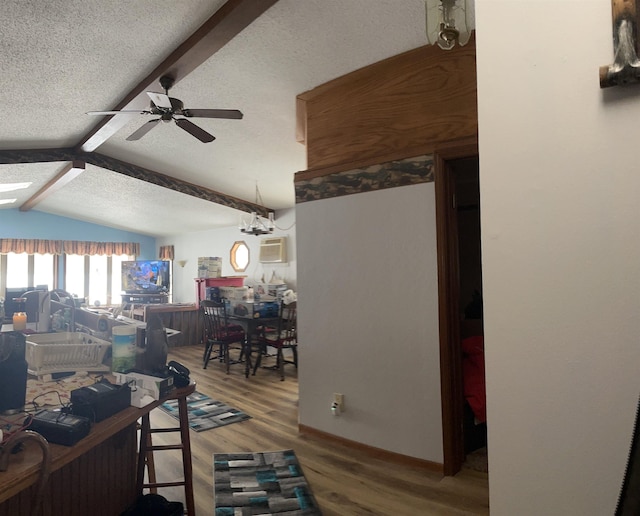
(283, 336)
(218, 332)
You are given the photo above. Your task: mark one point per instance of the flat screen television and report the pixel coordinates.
(146, 276)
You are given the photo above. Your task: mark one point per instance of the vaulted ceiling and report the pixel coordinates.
(63, 58)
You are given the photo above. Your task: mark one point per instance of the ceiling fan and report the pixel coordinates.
(167, 108)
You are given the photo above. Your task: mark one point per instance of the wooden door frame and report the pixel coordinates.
(449, 302)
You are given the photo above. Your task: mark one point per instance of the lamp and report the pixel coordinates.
(182, 263)
(258, 225)
(449, 21)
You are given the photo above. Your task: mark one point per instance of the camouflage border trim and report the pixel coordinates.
(409, 171)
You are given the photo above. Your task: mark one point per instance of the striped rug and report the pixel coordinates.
(261, 483)
(205, 413)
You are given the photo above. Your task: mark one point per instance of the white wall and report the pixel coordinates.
(218, 242)
(560, 186)
(368, 319)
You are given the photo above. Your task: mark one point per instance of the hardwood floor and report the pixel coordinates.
(344, 481)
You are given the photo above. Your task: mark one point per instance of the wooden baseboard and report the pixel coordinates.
(374, 452)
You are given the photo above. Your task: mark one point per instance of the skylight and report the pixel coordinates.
(10, 187)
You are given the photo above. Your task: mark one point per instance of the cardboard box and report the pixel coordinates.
(156, 386)
(209, 267)
(254, 308)
(212, 294)
(234, 293)
(270, 291)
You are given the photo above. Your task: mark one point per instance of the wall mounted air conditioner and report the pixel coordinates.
(273, 250)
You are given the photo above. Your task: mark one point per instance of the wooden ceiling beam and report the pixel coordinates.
(12, 157)
(177, 185)
(8, 157)
(226, 23)
(62, 178)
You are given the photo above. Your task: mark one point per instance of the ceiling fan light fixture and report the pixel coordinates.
(258, 225)
(167, 107)
(449, 22)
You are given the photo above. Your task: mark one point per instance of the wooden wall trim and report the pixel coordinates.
(450, 352)
(417, 98)
(374, 452)
(466, 146)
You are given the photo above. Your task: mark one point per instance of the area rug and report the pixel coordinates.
(261, 483)
(205, 413)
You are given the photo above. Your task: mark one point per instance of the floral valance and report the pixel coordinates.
(36, 246)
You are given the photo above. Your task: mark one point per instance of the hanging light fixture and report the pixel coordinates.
(449, 21)
(258, 225)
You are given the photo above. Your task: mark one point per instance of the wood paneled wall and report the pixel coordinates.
(106, 473)
(187, 320)
(400, 107)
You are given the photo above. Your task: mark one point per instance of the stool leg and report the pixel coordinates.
(186, 455)
(151, 465)
(143, 452)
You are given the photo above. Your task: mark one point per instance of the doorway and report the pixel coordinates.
(460, 308)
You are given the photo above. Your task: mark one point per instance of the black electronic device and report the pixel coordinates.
(13, 371)
(100, 400)
(180, 373)
(59, 427)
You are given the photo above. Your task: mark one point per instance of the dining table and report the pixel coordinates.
(252, 326)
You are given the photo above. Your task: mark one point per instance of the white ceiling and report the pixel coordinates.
(62, 58)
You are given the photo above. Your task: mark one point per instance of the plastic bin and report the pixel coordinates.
(62, 352)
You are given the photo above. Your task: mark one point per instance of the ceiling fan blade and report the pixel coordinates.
(126, 112)
(194, 130)
(160, 99)
(136, 135)
(214, 113)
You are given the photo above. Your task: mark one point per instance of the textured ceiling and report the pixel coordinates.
(62, 58)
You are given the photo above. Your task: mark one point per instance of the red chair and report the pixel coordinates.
(284, 336)
(218, 332)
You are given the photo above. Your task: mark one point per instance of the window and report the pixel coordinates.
(116, 278)
(239, 256)
(74, 274)
(17, 270)
(94, 277)
(97, 280)
(43, 265)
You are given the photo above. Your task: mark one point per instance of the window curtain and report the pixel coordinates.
(166, 252)
(30, 246)
(34, 246)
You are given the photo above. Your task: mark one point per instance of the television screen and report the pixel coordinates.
(146, 276)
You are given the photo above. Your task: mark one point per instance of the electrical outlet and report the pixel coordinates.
(338, 399)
